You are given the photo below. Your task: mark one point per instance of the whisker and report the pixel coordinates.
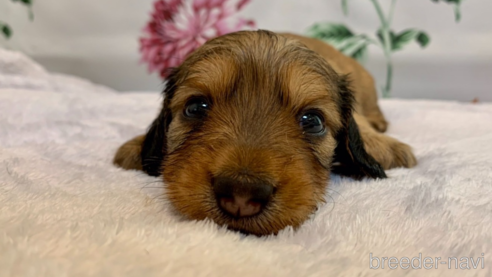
(334, 203)
(332, 190)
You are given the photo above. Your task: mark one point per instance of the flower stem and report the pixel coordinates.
(391, 12)
(389, 78)
(457, 12)
(387, 43)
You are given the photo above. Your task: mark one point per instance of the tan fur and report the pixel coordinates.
(128, 155)
(257, 84)
(389, 152)
(362, 81)
(386, 150)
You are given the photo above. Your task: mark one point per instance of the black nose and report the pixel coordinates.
(241, 197)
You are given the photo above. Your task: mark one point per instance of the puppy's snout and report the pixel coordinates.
(241, 198)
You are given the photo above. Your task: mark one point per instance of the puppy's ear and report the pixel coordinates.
(154, 145)
(351, 159)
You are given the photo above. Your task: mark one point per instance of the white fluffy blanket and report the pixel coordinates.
(65, 210)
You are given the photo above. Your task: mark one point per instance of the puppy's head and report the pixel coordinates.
(250, 124)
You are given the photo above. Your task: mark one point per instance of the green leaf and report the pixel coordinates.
(361, 55)
(356, 47)
(331, 33)
(400, 40)
(407, 36)
(6, 31)
(457, 13)
(345, 7)
(457, 7)
(25, 2)
(423, 39)
(28, 3)
(342, 38)
(380, 36)
(449, 1)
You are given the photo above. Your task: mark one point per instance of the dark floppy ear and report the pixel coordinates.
(154, 145)
(351, 159)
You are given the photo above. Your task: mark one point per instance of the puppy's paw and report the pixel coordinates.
(128, 155)
(378, 122)
(389, 152)
(402, 155)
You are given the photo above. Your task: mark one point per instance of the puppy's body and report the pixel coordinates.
(253, 123)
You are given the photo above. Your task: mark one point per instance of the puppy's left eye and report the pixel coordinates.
(312, 123)
(196, 108)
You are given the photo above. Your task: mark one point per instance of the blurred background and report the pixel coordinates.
(98, 40)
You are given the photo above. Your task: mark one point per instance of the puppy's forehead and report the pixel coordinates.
(212, 76)
(259, 64)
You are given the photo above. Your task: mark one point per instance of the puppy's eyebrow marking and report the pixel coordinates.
(213, 76)
(306, 87)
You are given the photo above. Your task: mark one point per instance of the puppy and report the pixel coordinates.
(253, 123)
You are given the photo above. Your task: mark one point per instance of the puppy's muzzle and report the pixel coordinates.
(242, 198)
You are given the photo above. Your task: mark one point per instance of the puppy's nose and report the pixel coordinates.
(241, 198)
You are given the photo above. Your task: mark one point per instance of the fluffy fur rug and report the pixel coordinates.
(65, 210)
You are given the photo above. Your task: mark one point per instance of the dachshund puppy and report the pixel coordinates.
(253, 123)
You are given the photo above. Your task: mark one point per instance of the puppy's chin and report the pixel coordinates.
(299, 188)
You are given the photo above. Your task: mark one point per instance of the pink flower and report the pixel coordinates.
(178, 27)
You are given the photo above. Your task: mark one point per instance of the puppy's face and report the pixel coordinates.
(250, 124)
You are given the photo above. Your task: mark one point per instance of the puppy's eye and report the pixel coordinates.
(196, 108)
(312, 123)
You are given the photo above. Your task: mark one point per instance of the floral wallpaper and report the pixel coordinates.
(5, 28)
(385, 38)
(178, 27)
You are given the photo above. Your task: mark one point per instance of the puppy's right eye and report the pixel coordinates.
(196, 108)
(312, 123)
